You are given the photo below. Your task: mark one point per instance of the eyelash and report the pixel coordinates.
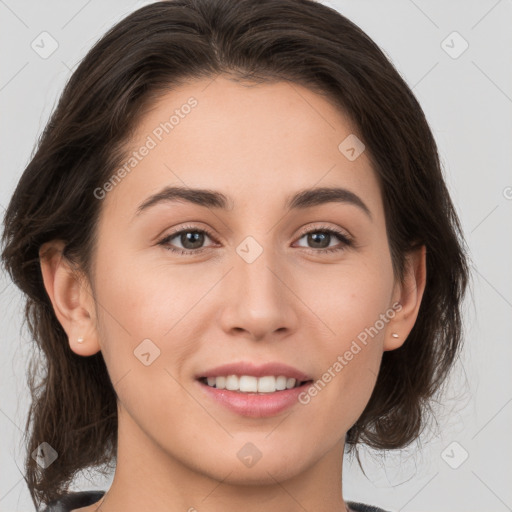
(345, 239)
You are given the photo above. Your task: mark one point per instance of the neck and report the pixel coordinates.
(148, 477)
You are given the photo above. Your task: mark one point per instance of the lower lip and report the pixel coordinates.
(255, 405)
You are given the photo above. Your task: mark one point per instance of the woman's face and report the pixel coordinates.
(253, 287)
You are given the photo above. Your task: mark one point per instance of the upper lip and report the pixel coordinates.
(248, 368)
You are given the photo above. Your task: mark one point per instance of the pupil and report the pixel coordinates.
(322, 236)
(195, 237)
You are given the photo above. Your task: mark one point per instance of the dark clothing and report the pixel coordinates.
(83, 499)
(74, 500)
(361, 507)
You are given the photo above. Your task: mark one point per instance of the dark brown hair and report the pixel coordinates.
(152, 50)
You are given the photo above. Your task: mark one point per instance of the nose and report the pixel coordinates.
(258, 300)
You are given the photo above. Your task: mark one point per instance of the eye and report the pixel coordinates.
(321, 237)
(191, 238)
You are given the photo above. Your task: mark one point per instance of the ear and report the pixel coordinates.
(408, 294)
(71, 297)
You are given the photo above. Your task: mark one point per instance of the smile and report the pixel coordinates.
(251, 384)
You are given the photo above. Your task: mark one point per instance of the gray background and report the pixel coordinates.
(467, 99)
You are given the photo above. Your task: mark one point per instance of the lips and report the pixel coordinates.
(247, 368)
(268, 401)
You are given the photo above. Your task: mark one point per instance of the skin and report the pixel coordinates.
(256, 144)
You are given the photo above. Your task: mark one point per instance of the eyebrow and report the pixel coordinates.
(213, 199)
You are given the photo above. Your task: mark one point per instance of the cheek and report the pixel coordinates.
(144, 298)
(142, 322)
(351, 299)
(144, 309)
(354, 302)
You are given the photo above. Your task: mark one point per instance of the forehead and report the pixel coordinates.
(253, 142)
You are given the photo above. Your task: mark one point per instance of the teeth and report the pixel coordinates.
(250, 384)
(232, 382)
(281, 383)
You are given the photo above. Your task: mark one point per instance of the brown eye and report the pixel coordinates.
(319, 240)
(190, 238)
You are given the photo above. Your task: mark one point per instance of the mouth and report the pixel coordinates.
(253, 397)
(252, 390)
(250, 384)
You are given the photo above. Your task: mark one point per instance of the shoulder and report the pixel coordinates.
(73, 500)
(361, 507)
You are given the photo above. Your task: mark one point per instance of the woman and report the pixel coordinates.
(240, 260)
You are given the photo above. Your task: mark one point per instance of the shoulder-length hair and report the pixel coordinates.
(149, 52)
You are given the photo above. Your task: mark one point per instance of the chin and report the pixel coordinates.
(264, 471)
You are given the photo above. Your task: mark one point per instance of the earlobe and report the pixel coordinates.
(72, 302)
(408, 294)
